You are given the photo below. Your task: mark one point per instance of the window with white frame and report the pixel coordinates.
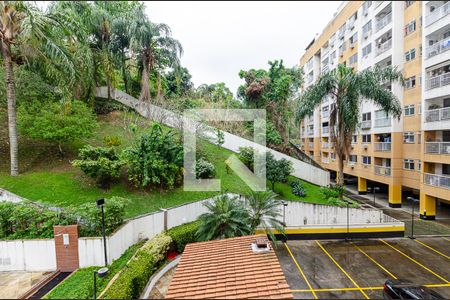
(309, 64)
(367, 50)
(419, 137)
(367, 138)
(354, 139)
(366, 5)
(352, 158)
(409, 110)
(410, 55)
(366, 116)
(410, 82)
(367, 28)
(353, 39)
(419, 165)
(408, 137)
(332, 155)
(408, 164)
(366, 160)
(353, 59)
(410, 27)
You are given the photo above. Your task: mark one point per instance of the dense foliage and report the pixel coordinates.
(277, 170)
(298, 188)
(101, 163)
(156, 160)
(204, 169)
(183, 234)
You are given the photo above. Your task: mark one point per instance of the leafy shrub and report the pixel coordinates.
(246, 155)
(157, 159)
(103, 106)
(298, 188)
(56, 122)
(112, 141)
(204, 169)
(332, 192)
(183, 234)
(277, 170)
(273, 137)
(134, 277)
(100, 163)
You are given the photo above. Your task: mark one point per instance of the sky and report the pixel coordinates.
(221, 38)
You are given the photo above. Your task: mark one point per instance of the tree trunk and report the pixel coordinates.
(124, 72)
(11, 97)
(145, 85)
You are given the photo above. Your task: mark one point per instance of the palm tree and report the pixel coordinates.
(26, 35)
(226, 217)
(264, 212)
(348, 88)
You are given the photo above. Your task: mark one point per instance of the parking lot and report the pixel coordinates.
(358, 269)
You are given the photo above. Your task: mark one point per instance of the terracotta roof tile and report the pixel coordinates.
(228, 269)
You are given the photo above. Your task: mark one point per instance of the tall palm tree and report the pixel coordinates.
(264, 212)
(27, 34)
(348, 88)
(226, 217)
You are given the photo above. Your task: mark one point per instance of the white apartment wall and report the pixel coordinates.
(28, 255)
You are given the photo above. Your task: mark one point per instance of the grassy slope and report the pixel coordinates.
(51, 179)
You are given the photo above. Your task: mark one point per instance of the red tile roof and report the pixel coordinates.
(228, 269)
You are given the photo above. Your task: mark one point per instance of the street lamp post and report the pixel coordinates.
(101, 273)
(412, 216)
(100, 204)
(284, 212)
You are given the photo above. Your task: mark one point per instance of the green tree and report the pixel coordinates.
(27, 30)
(348, 88)
(56, 122)
(226, 217)
(179, 82)
(277, 170)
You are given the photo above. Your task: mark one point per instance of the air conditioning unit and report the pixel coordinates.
(352, 45)
(365, 12)
(365, 147)
(352, 167)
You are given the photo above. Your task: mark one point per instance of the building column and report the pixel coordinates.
(362, 186)
(427, 207)
(395, 196)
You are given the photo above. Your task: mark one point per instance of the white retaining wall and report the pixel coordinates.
(28, 255)
(8, 196)
(232, 142)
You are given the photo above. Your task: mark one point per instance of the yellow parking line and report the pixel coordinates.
(431, 248)
(301, 271)
(446, 239)
(373, 288)
(343, 271)
(374, 261)
(415, 261)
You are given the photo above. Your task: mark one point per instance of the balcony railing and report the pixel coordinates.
(311, 145)
(325, 130)
(325, 145)
(310, 132)
(383, 146)
(325, 160)
(438, 13)
(383, 171)
(437, 147)
(436, 115)
(438, 81)
(442, 181)
(325, 68)
(384, 21)
(325, 114)
(383, 122)
(439, 47)
(383, 47)
(366, 124)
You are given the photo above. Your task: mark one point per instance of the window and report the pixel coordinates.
(366, 138)
(367, 49)
(419, 137)
(332, 56)
(352, 158)
(408, 3)
(353, 39)
(353, 59)
(366, 160)
(410, 28)
(381, 114)
(366, 116)
(309, 64)
(366, 6)
(367, 28)
(410, 82)
(408, 164)
(354, 139)
(408, 137)
(410, 55)
(409, 110)
(419, 165)
(332, 155)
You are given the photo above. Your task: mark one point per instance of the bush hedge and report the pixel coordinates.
(134, 277)
(184, 234)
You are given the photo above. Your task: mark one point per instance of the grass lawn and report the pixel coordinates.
(80, 284)
(49, 178)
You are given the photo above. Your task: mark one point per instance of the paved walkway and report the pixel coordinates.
(14, 284)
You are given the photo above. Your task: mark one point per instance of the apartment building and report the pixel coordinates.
(411, 154)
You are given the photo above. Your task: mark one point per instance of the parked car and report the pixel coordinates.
(402, 289)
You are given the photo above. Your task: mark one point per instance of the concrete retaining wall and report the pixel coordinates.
(28, 255)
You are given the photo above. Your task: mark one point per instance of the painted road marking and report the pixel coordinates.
(415, 261)
(446, 239)
(343, 271)
(431, 248)
(363, 288)
(301, 271)
(374, 261)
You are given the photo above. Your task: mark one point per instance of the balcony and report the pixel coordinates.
(310, 132)
(438, 13)
(438, 48)
(442, 181)
(325, 68)
(326, 130)
(383, 122)
(383, 47)
(341, 33)
(311, 145)
(436, 115)
(381, 23)
(383, 171)
(437, 148)
(438, 81)
(325, 145)
(325, 114)
(385, 147)
(325, 160)
(366, 124)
